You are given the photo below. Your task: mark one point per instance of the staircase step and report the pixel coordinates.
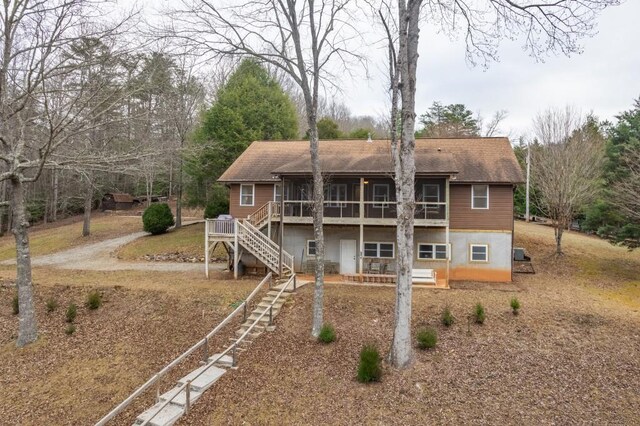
(209, 376)
(249, 336)
(180, 396)
(225, 362)
(166, 417)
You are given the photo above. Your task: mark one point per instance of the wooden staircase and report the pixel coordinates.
(177, 402)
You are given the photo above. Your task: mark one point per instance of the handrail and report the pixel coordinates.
(253, 232)
(263, 213)
(230, 348)
(124, 404)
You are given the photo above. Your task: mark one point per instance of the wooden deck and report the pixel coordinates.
(377, 280)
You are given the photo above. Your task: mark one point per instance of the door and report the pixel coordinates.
(347, 256)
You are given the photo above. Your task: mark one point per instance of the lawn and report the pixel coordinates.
(572, 356)
(187, 241)
(51, 238)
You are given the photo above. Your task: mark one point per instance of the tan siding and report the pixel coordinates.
(263, 193)
(499, 215)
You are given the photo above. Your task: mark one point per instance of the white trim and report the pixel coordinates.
(486, 248)
(433, 250)
(275, 187)
(424, 192)
(308, 253)
(337, 202)
(383, 203)
(473, 196)
(377, 243)
(253, 194)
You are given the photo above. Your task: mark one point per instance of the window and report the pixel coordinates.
(382, 250)
(277, 192)
(479, 252)
(337, 193)
(380, 194)
(246, 194)
(431, 193)
(432, 251)
(479, 196)
(311, 247)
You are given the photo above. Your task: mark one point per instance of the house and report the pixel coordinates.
(117, 201)
(463, 216)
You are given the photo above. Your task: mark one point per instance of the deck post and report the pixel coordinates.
(361, 251)
(206, 248)
(447, 239)
(235, 250)
(269, 219)
(281, 226)
(187, 391)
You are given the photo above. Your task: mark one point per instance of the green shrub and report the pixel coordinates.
(157, 218)
(216, 208)
(427, 338)
(72, 311)
(94, 300)
(35, 210)
(327, 333)
(479, 315)
(52, 305)
(369, 369)
(447, 317)
(515, 305)
(15, 305)
(70, 329)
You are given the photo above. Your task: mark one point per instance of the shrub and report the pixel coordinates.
(515, 305)
(70, 329)
(157, 218)
(72, 311)
(447, 317)
(369, 368)
(327, 333)
(15, 305)
(427, 338)
(52, 305)
(216, 208)
(94, 300)
(479, 314)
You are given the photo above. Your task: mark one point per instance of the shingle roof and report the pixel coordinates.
(471, 159)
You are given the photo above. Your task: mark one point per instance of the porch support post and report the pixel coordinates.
(235, 250)
(361, 251)
(447, 230)
(206, 248)
(281, 242)
(269, 220)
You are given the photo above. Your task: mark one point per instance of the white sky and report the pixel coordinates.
(604, 79)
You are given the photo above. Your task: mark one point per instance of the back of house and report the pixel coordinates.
(463, 217)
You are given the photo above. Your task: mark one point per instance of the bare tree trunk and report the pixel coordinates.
(4, 198)
(88, 204)
(27, 328)
(318, 231)
(179, 197)
(559, 231)
(54, 207)
(401, 348)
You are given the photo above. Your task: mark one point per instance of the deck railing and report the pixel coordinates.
(264, 213)
(220, 227)
(204, 343)
(371, 209)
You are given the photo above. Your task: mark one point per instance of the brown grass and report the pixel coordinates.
(52, 238)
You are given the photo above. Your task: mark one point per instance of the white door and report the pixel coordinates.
(347, 256)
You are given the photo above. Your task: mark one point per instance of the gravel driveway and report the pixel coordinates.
(99, 257)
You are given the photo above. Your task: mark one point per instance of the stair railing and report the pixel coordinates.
(270, 254)
(202, 343)
(264, 214)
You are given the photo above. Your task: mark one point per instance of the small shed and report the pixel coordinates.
(117, 201)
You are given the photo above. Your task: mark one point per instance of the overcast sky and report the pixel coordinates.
(604, 79)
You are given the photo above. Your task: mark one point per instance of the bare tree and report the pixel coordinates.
(546, 25)
(303, 39)
(36, 111)
(566, 166)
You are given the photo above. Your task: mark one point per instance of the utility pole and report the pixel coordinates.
(527, 215)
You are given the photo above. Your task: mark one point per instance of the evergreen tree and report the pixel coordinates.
(250, 106)
(327, 129)
(453, 120)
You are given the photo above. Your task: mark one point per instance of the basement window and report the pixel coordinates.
(311, 247)
(432, 251)
(379, 250)
(479, 253)
(247, 194)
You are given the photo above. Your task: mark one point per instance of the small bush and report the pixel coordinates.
(72, 311)
(216, 208)
(427, 338)
(157, 218)
(369, 369)
(70, 329)
(515, 305)
(479, 315)
(447, 317)
(15, 305)
(52, 305)
(327, 333)
(94, 300)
